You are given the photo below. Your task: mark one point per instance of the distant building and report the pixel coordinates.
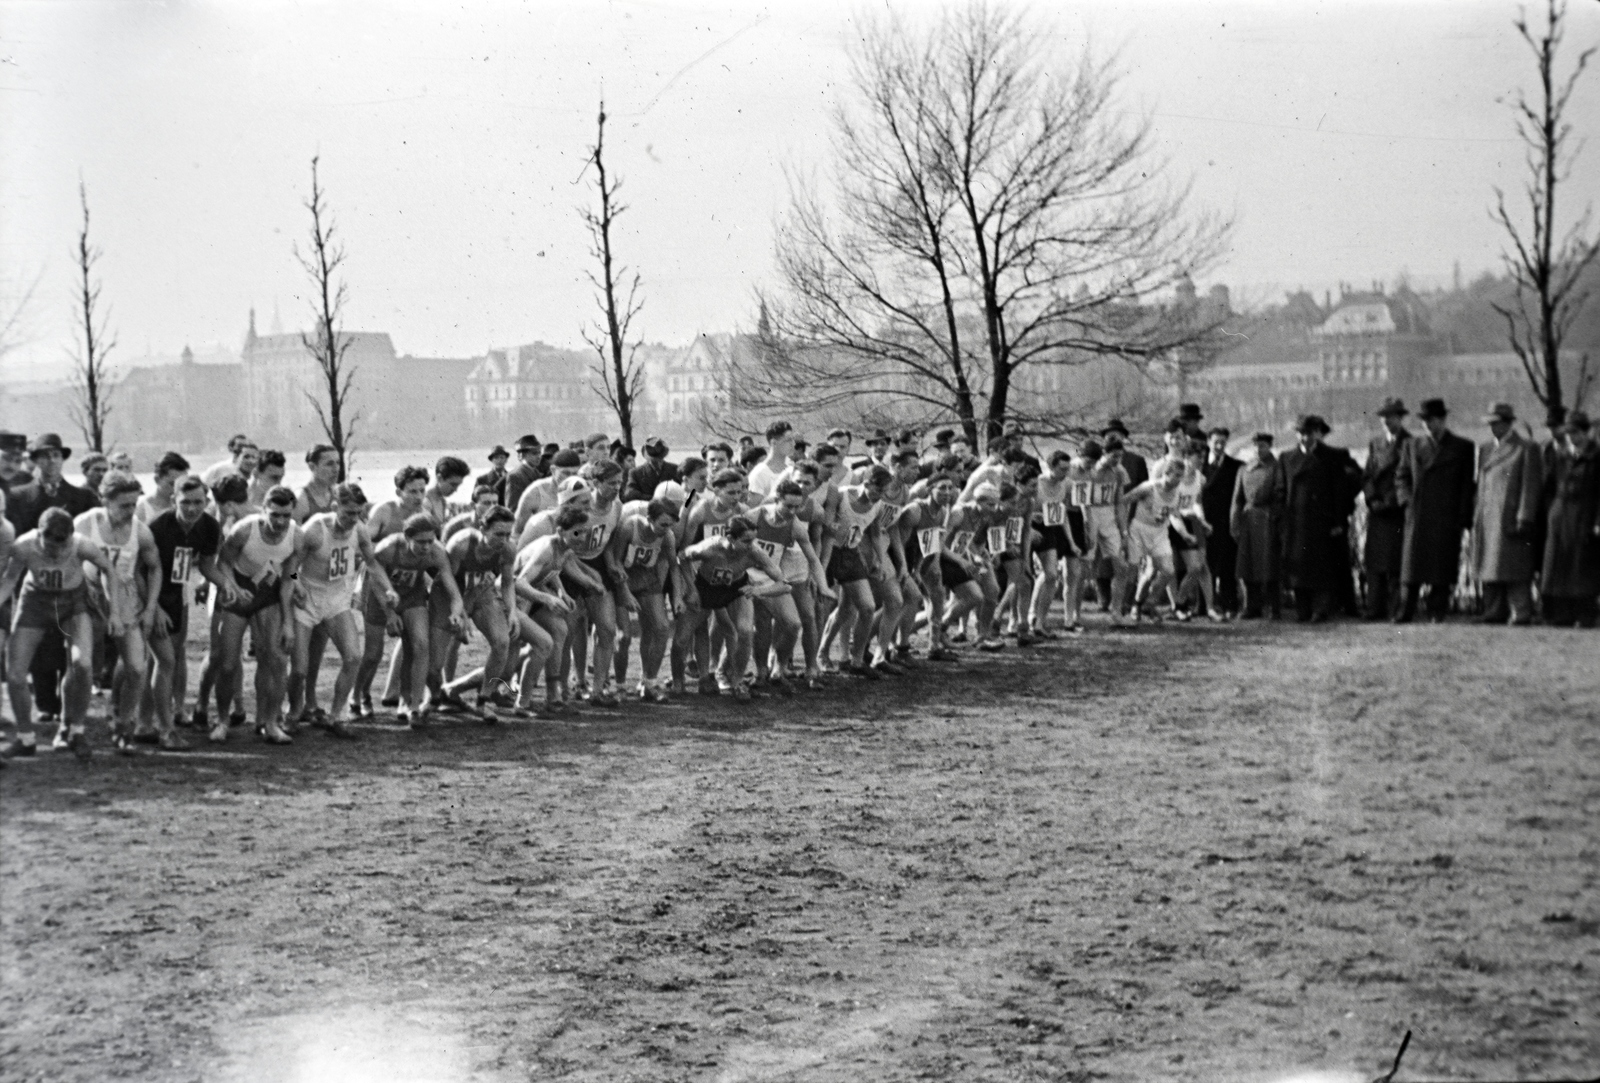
(536, 388)
(396, 401)
(693, 382)
(191, 406)
(1343, 361)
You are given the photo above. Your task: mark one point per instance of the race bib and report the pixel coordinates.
(640, 556)
(714, 530)
(403, 578)
(1105, 493)
(471, 581)
(1055, 514)
(182, 564)
(719, 576)
(772, 549)
(1014, 531)
(932, 541)
(1083, 493)
(854, 539)
(48, 579)
(1185, 501)
(961, 541)
(339, 563)
(997, 538)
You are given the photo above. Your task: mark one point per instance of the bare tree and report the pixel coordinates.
(1545, 263)
(620, 371)
(91, 375)
(326, 343)
(991, 216)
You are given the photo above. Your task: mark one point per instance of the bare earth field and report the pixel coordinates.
(1238, 853)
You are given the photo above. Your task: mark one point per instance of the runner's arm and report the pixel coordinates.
(375, 568)
(581, 572)
(440, 565)
(11, 575)
(148, 569)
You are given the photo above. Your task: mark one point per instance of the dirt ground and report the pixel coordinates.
(1242, 853)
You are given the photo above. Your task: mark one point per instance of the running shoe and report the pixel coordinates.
(146, 737)
(171, 741)
(658, 694)
(863, 671)
(453, 703)
(78, 741)
(340, 728)
(62, 741)
(1025, 640)
(402, 714)
(197, 721)
(486, 711)
(991, 644)
(218, 734)
(274, 735)
(123, 742)
(709, 686)
(940, 654)
(18, 746)
(391, 702)
(1074, 629)
(605, 697)
(741, 691)
(238, 718)
(883, 665)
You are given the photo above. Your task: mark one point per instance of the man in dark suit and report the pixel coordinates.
(528, 470)
(1386, 516)
(495, 477)
(24, 505)
(1434, 482)
(656, 469)
(1319, 491)
(1138, 471)
(1221, 473)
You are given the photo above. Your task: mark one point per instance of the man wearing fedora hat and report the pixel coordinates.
(528, 470)
(654, 471)
(495, 477)
(1434, 481)
(1138, 471)
(1386, 516)
(1571, 567)
(1510, 483)
(13, 461)
(1319, 491)
(25, 503)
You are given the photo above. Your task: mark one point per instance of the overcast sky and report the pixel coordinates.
(1353, 142)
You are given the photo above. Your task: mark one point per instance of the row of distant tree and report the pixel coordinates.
(988, 209)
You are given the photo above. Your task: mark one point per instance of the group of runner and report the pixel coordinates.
(729, 571)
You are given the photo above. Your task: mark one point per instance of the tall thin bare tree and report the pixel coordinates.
(991, 215)
(1546, 263)
(91, 375)
(620, 371)
(325, 342)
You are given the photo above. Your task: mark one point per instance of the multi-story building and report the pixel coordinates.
(537, 388)
(191, 406)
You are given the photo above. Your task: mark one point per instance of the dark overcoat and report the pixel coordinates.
(1571, 548)
(1435, 482)
(1319, 492)
(1253, 519)
(1216, 501)
(1386, 516)
(25, 503)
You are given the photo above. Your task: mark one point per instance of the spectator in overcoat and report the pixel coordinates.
(1319, 491)
(495, 477)
(655, 469)
(1510, 485)
(1386, 516)
(1435, 484)
(1253, 521)
(529, 469)
(1221, 473)
(1570, 585)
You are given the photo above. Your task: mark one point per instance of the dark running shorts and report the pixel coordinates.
(846, 566)
(257, 596)
(951, 574)
(719, 595)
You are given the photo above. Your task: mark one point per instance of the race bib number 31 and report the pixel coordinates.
(182, 564)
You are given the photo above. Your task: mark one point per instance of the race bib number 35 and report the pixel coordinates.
(338, 562)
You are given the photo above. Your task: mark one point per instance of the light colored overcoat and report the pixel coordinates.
(1510, 482)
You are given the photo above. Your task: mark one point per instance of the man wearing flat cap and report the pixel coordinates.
(1510, 484)
(1571, 569)
(1319, 491)
(1386, 516)
(1253, 519)
(13, 454)
(1434, 482)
